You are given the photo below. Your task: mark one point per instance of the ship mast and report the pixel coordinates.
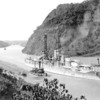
(45, 47)
(58, 41)
(59, 45)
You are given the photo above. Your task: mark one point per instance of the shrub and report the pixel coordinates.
(24, 74)
(1, 70)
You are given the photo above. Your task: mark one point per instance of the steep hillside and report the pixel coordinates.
(78, 26)
(3, 44)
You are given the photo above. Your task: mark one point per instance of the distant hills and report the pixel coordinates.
(8, 43)
(17, 42)
(4, 44)
(79, 28)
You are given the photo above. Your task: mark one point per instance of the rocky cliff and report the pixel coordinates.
(78, 26)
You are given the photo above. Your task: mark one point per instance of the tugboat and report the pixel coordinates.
(38, 71)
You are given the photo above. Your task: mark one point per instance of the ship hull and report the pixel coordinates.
(66, 71)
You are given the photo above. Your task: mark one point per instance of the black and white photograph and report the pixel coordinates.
(49, 49)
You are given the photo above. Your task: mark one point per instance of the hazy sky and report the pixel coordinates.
(19, 18)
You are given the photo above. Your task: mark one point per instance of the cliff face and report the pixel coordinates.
(79, 26)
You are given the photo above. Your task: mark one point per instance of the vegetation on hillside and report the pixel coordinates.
(78, 25)
(12, 88)
(71, 15)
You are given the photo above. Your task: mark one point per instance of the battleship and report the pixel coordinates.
(60, 64)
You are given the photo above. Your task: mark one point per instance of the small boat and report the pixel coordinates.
(85, 68)
(38, 72)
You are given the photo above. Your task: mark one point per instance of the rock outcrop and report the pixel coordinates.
(78, 25)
